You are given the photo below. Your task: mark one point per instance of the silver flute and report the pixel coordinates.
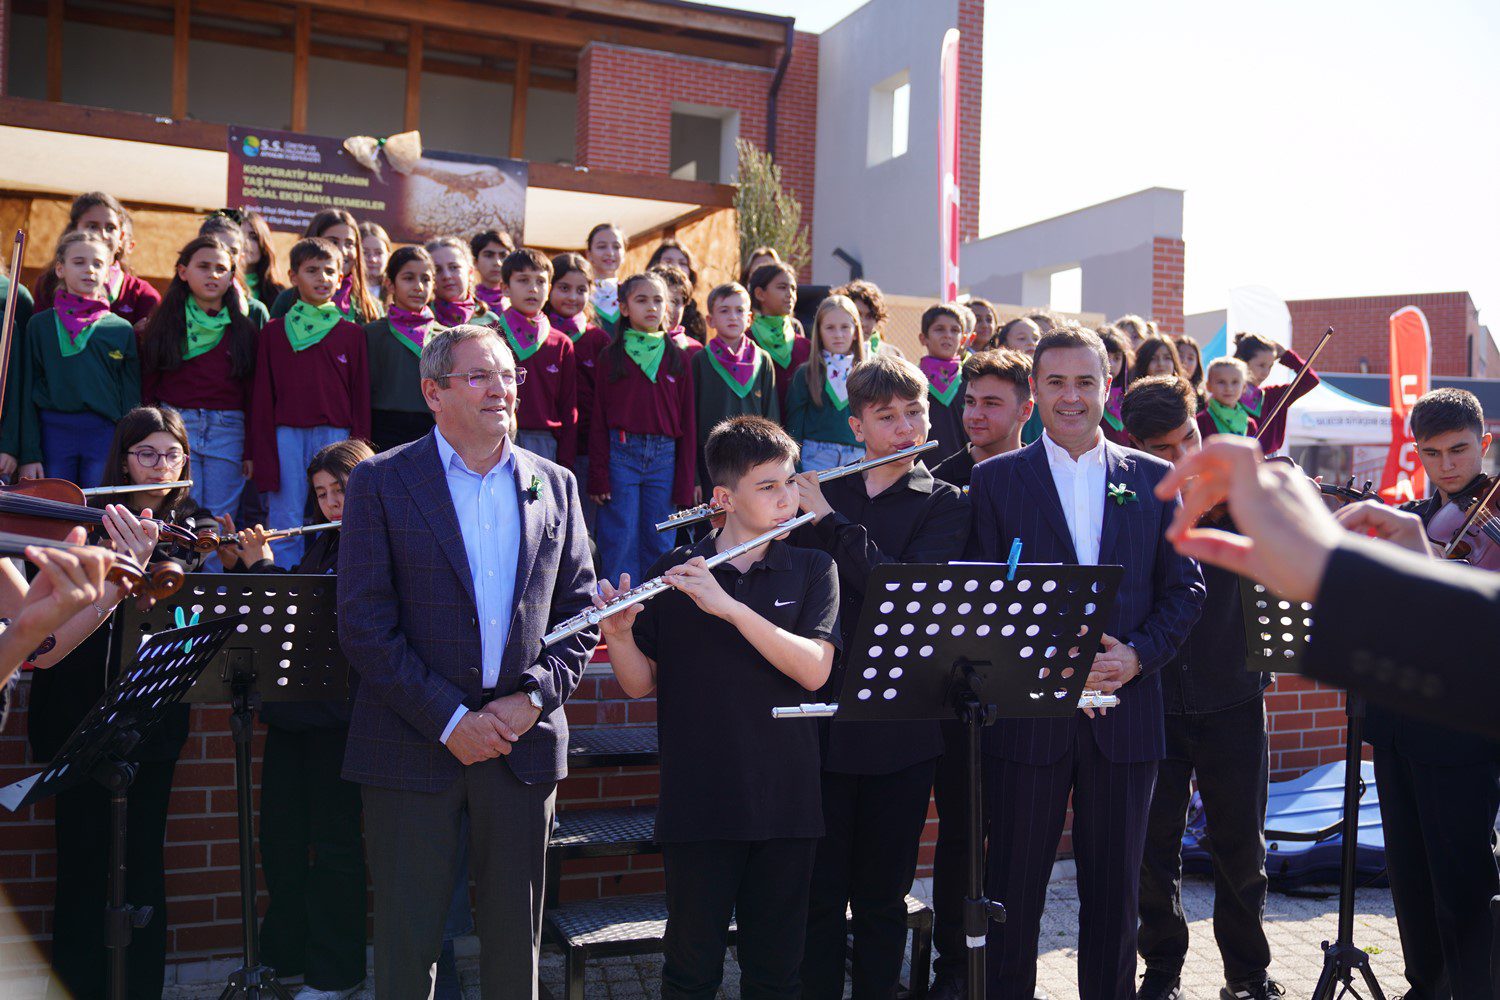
(823, 710)
(651, 588)
(708, 511)
(306, 529)
(105, 491)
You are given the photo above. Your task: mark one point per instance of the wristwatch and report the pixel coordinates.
(533, 692)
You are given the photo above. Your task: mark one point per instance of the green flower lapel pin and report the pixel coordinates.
(1120, 494)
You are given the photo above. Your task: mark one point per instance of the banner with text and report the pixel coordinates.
(288, 177)
(1411, 377)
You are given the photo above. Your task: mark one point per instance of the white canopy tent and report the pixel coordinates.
(1331, 416)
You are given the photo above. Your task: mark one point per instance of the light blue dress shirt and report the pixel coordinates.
(489, 517)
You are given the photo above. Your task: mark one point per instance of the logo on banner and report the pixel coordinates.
(1411, 377)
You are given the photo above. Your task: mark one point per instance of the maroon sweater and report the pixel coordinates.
(1275, 435)
(1207, 428)
(204, 383)
(636, 405)
(137, 299)
(326, 385)
(801, 351)
(585, 354)
(548, 400)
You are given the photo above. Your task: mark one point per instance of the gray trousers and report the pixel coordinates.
(412, 839)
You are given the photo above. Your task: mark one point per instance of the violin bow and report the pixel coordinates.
(1475, 513)
(8, 328)
(1286, 400)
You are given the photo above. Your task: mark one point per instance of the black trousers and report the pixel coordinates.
(866, 862)
(761, 884)
(1228, 750)
(79, 959)
(1437, 821)
(312, 854)
(950, 859)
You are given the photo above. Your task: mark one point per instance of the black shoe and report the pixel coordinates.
(1267, 989)
(949, 986)
(447, 987)
(1159, 986)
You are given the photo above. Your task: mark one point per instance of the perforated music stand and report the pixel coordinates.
(285, 648)
(163, 670)
(968, 639)
(1277, 635)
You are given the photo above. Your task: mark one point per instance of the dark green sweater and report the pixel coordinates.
(105, 377)
(10, 421)
(805, 422)
(394, 380)
(715, 401)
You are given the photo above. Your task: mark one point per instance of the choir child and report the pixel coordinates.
(942, 335)
(352, 295)
(757, 259)
(128, 296)
(263, 270)
(818, 399)
(393, 343)
(547, 411)
(773, 297)
(490, 247)
(1121, 363)
(568, 310)
(1260, 355)
(454, 302)
(1226, 412)
(605, 250)
(670, 251)
(1156, 355)
(868, 299)
(732, 375)
(679, 297)
(374, 251)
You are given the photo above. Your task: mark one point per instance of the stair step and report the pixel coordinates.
(612, 746)
(603, 833)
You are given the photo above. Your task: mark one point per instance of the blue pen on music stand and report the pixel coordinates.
(1015, 558)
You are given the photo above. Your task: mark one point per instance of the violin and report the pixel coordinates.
(1348, 493)
(50, 508)
(158, 581)
(1467, 528)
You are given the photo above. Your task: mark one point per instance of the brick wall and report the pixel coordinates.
(970, 104)
(202, 855)
(1166, 283)
(1362, 330)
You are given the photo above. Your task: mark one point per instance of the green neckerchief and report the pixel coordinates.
(646, 350)
(739, 390)
(774, 335)
(1229, 419)
(72, 345)
(522, 353)
(1115, 423)
(308, 324)
(838, 404)
(872, 345)
(945, 397)
(203, 331)
(252, 282)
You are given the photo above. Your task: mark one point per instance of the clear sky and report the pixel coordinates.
(1326, 148)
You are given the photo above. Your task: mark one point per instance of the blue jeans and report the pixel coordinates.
(538, 443)
(819, 456)
(216, 441)
(640, 494)
(75, 446)
(287, 506)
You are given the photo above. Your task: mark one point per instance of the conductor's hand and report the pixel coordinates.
(1379, 521)
(696, 580)
(515, 713)
(479, 736)
(810, 496)
(616, 628)
(1288, 535)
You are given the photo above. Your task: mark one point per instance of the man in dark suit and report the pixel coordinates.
(459, 550)
(1072, 497)
(1439, 789)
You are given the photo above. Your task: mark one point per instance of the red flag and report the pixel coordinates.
(948, 164)
(1411, 377)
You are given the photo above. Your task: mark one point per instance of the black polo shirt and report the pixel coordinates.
(728, 770)
(957, 469)
(917, 519)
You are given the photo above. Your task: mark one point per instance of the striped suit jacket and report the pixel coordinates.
(408, 618)
(1013, 496)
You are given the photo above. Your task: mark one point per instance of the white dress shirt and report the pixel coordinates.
(1080, 487)
(489, 518)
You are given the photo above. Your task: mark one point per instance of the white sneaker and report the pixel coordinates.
(308, 993)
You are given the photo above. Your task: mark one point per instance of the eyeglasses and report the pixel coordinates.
(150, 458)
(483, 378)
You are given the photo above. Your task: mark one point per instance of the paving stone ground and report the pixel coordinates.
(1296, 926)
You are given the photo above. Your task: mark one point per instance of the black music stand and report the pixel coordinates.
(1277, 633)
(164, 669)
(968, 639)
(290, 653)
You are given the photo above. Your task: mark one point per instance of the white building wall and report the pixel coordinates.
(886, 215)
(1111, 242)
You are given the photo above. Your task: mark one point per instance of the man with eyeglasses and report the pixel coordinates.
(459, 550)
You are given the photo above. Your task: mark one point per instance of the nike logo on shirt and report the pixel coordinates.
(782, 604)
